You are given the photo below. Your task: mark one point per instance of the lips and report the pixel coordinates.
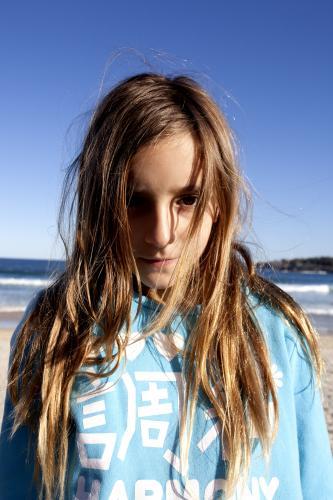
(160, 264)
(152, 261)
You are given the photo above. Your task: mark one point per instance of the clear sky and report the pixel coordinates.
(268, 64)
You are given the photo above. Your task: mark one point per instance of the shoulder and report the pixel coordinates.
(286, 344)
(290, 356)
(30, 308)
(275, 326)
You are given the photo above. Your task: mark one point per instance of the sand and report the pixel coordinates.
(5, 335)
(326, 342)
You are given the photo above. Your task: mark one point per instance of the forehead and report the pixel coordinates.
(169, 165)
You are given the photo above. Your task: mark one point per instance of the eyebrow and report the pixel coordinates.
(190, 188)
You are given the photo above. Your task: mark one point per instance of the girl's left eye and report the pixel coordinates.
(189, 200)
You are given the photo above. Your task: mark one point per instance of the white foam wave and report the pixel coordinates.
(292, 288)
(320, 311)
(24, 282)
(11, 309)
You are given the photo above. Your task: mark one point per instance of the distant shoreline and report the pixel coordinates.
(318, 265)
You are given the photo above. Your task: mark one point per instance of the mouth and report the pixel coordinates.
(158, 262)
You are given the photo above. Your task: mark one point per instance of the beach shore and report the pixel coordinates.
(326, 344)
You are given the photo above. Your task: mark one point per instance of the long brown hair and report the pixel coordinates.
(226, 349)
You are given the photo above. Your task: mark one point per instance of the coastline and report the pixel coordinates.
(326, 346)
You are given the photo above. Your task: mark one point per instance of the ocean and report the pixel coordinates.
(21, 279)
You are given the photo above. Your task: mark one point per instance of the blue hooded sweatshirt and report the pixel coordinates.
(125, 438)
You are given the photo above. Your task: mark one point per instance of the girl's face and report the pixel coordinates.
(165, 195)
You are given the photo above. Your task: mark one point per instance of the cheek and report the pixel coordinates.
(135, 233)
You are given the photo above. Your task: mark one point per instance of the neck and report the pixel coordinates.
(151, 293)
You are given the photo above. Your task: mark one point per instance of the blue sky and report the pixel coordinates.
(268, 64)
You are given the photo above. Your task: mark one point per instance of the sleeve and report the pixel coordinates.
(16, 453)
(315, 456)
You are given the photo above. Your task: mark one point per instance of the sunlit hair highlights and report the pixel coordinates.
(225, 357)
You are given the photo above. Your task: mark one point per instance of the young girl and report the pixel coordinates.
(160, 365)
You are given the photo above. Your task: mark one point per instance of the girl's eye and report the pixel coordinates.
(189, 200)
(136, 201)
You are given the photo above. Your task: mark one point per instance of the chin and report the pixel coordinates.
(156, 282)
(156, 285)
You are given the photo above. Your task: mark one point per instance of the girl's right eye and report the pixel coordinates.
(136, 201)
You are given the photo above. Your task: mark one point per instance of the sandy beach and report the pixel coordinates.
(5, 335)
(326, 342)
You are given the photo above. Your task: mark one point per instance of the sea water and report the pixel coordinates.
(21, 279)
(313, 291)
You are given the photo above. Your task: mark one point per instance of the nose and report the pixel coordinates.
(160, 226)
